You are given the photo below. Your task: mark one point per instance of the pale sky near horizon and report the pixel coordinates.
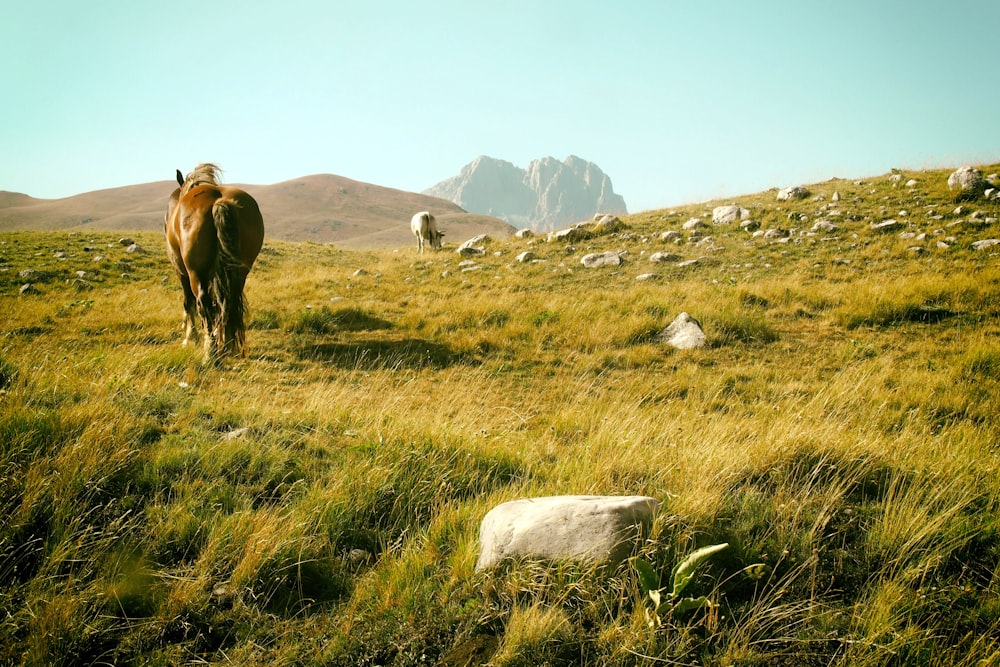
(676, 101)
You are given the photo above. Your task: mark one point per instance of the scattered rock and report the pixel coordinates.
(684, 333)
(749, 225)
(658, 257)
(601, 530)
(570, 234)
(647, 276)
(28, 288)
(796, 192)
(524, 234)
(596, 259)
(724, 215)
(825, 226)
(671, 236)
(607, 224)
(968, 181)
(135, 248)
(886, 226)
(478, 240)
(692, 224)
(125, 241)
(474, 246)
(526, 256)
(985, 243)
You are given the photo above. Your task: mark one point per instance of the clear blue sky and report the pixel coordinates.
(676, 101)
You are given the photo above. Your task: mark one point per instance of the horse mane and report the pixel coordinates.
(205, 173)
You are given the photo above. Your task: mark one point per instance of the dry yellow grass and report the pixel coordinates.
(318, 502)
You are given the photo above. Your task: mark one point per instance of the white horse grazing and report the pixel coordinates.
(424, 227)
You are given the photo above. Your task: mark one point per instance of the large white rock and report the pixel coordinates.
(967, 180)
(724, 215)
(795, 192)
(588, 529)
(684, 333)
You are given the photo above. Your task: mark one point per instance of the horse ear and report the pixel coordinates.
(180, 177)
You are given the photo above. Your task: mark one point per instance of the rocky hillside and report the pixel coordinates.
(547, 194)
(322, 208)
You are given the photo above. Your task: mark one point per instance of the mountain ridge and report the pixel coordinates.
(323, 208)
(547, 194)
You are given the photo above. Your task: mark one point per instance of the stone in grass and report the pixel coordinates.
(599, 530)
(596, 259)
(684, 333)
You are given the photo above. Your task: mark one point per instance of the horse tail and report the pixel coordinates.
(227, 284)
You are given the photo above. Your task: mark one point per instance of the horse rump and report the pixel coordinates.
(230, 275)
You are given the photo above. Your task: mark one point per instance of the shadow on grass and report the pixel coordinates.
(326, 321)
(382, 354)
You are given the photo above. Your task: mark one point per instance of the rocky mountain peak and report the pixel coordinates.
(545, 195)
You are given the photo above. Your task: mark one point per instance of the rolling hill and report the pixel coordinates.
(323, 208)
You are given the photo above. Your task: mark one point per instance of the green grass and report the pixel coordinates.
(318, 502)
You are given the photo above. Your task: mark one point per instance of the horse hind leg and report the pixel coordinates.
(207, 313)
(191, 331)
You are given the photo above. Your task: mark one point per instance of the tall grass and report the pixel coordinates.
(319, 501)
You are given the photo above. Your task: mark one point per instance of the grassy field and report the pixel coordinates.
(318, 502)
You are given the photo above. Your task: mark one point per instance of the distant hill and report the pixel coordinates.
(546, 195)
(323, 208)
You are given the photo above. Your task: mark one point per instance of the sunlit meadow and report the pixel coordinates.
(318, 502)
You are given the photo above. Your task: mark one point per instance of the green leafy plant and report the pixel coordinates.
(671, 601)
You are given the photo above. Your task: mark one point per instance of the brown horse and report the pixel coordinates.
(213, 235)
